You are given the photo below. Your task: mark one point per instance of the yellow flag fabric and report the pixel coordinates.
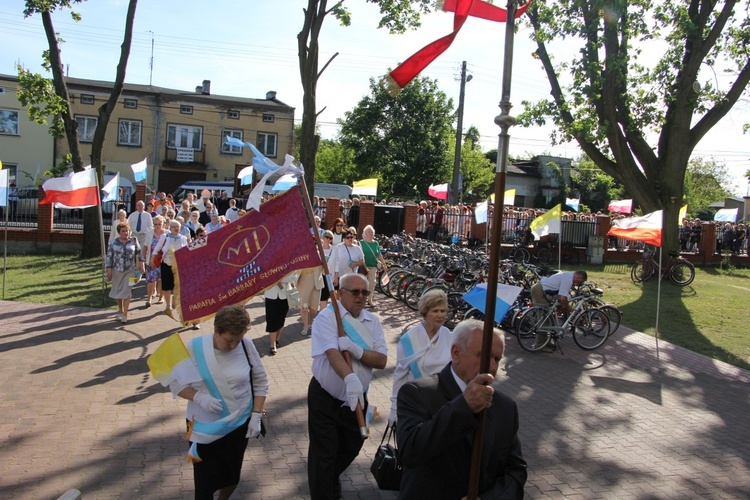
(509, 197)
(171, 353)
(547, 223)
(683, 213)
(366, 187)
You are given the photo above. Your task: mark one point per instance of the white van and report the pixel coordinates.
(340, 191)
(196, 187)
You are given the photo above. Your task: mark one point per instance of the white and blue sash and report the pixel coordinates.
(414, 345)
(356, 331)
(233, 415)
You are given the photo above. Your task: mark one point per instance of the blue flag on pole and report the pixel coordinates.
(506, 296)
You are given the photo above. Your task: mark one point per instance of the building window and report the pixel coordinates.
(129, 133)
(186, 110)
(268, 117)
(2, 90)
(86, 128)
(131, 103)
(233, 114)
(226, 148)
(8, 122)
(184, 136)
(87, 99)
(267, 144)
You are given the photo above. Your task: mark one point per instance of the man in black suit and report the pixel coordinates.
(437, 421)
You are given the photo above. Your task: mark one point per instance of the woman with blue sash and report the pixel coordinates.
(424, 349)
(226, 388)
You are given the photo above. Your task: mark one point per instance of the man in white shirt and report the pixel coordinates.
(335, 388)
(141, 223)
(232, 213)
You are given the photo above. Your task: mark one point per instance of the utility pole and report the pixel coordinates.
(453, 198)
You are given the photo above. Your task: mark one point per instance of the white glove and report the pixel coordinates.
(354, 391)
(392, 417)
(207, 402)
(253, 430)
(346, 344)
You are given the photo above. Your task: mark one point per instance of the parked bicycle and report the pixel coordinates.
(540, 325)
(678, 269)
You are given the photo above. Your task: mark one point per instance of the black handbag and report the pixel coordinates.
(387, 467)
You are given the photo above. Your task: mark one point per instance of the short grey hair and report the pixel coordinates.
(345, 279)
(463, 331)
(369, 227)
(431, 299)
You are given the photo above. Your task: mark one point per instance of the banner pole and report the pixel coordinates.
(334, 300)
(101, 241)
(5, 247)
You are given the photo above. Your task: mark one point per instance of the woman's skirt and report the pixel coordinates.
(121, 284)
(221, 463)
(324, 294)
(308, 294)
(167, 278)
(276, 310)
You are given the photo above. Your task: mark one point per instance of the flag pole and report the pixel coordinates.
(658, 304)
(5, 247)
(334, 300)
(101, 239)
(504, 121)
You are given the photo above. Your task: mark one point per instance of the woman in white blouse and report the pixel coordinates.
(424, 349)
(347, 257)
(167, 245)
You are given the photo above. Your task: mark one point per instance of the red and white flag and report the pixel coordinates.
(646, 229)
(440, 191)
(621, 206)
(78, 190)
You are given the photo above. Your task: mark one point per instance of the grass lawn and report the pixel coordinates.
(711, 316)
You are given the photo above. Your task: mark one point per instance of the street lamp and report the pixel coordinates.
(459, 130)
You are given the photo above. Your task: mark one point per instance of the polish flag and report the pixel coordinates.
(78, 190)
(440, 191)
(646, 229)
(621, 206)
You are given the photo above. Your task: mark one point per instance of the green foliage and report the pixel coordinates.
(402, 139)
(477, 170)
(335, 164)
(706, 182)
(39, 6)
(38, 95)
(400, 15)
(595, 188)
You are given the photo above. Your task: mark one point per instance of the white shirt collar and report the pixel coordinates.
(461, 384)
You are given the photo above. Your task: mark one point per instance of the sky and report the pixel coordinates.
(249, 47)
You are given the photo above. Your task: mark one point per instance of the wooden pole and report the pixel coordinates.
(334, 300)
(505, 121)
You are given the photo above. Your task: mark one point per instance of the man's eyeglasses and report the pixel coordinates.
(357, 292)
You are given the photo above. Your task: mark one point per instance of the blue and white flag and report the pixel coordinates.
(139, 170)
(246, 176)
(726, 215)
(262, 164)
(506, 296)
(253, 200)
(4, 187)
(480, 213)
(573, 203)
(111, 189)
(233, 141)
(284, 183)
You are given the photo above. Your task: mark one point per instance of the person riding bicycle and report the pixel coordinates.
(556, 287)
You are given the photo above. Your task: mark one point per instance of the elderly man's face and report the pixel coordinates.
(140, 206)
(466, 362)
(353, 296)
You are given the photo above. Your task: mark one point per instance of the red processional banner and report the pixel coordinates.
(242, 259)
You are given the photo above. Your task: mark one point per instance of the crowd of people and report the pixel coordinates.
(437, 387)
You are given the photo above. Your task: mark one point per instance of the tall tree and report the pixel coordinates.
(404, 138)
(640, 123)
(397, 17)
(595, 188)
(45, 97)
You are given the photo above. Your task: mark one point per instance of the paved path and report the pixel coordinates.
(79, 410)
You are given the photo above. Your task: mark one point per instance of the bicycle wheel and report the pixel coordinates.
(391, 289)
(590, 329)
(544, 255)
(519, 254)
(414, 291)
(614, 315)
(682, 273)
(528, 331)
(457, 309)
(641, 271)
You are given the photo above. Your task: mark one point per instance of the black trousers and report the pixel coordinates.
(334, 441)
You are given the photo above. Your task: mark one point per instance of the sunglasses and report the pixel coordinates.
(348, 237)
(328, 237)
(357, 292)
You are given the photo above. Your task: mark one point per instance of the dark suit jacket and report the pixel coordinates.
(435, 433)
